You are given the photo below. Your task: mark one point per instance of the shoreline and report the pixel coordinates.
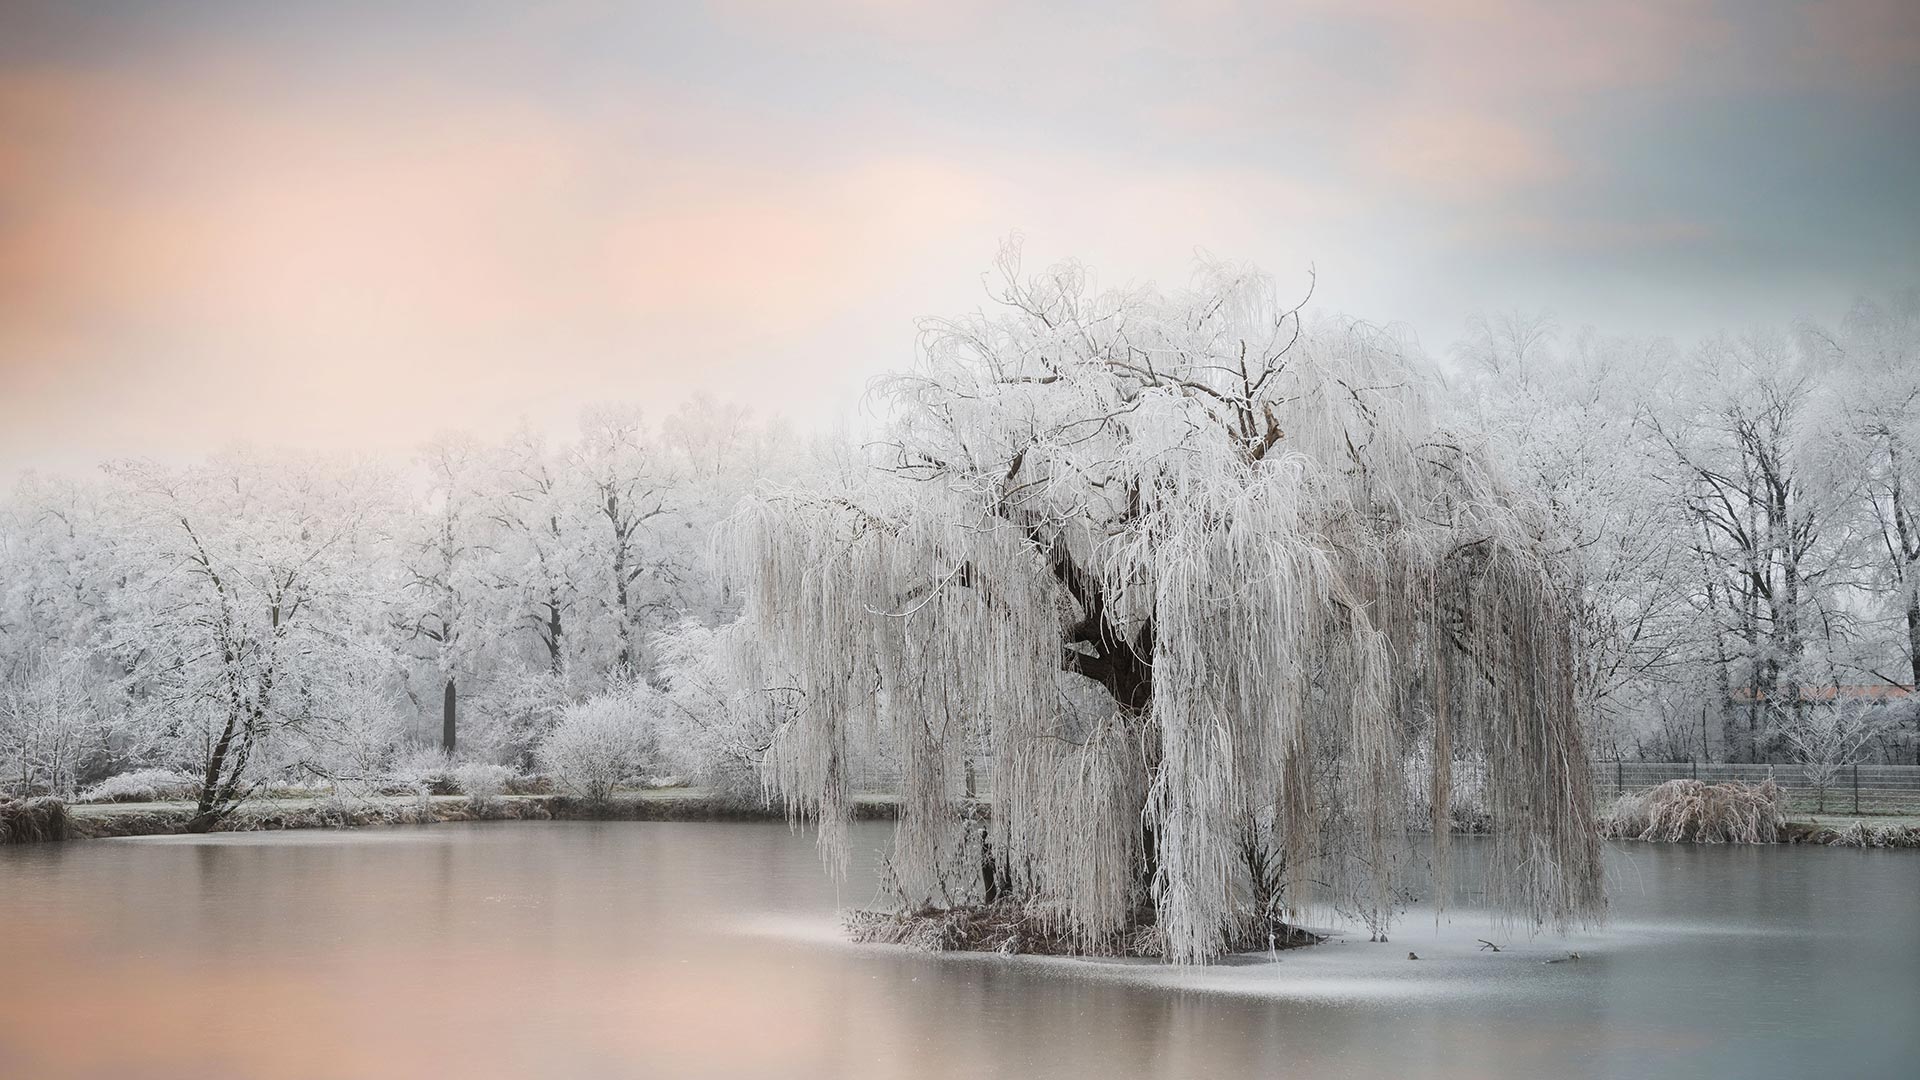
(100, 821)
(105, 821)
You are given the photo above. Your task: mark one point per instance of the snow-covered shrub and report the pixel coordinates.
(296, 789)
(601, 744)
(1694, 811)
(143, 785)
(481, 782)
(425, 770)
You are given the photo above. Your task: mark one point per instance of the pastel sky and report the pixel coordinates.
(353, 225)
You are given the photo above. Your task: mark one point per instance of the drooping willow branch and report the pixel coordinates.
(1282, 604)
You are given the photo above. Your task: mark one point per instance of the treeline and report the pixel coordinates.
(260, 619)
(1740, 520)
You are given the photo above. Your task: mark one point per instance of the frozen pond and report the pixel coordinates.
(710, 950)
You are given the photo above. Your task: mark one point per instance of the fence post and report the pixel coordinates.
(1856, 787)
(1696, 769)
(1619, 777)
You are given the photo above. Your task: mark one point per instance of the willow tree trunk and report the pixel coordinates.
(447, 716)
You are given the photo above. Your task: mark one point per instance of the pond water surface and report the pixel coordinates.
(631, 949)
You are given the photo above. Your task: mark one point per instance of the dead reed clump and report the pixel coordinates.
(33, 821)
(1698, 812)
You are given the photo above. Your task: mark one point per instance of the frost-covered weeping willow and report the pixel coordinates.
(1231, 613)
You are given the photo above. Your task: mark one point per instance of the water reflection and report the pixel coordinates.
(636, 949)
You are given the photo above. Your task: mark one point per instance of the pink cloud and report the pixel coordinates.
(1462, 154)
(202, 241)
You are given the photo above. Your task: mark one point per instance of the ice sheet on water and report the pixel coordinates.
(1452, 963)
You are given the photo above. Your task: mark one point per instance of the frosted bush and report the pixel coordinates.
(427, 770)
(600, 744)
(482, 783)
(142, 785)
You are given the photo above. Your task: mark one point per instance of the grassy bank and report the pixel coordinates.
(166, 818)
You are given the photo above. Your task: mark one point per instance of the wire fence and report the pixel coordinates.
(1851, 789)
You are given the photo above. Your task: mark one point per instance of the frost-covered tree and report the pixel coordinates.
(1750, 458)
(626, 485)
(722, 702)
(1875, 360)
(50, 726)
(252, 612)
(1826, 737)
(1565, 416)
(59, 582)
(1207, 583)
(522, 707)
(537, 563)
(715, 453)
(444, 607)
(63, 718)
(355, 728)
